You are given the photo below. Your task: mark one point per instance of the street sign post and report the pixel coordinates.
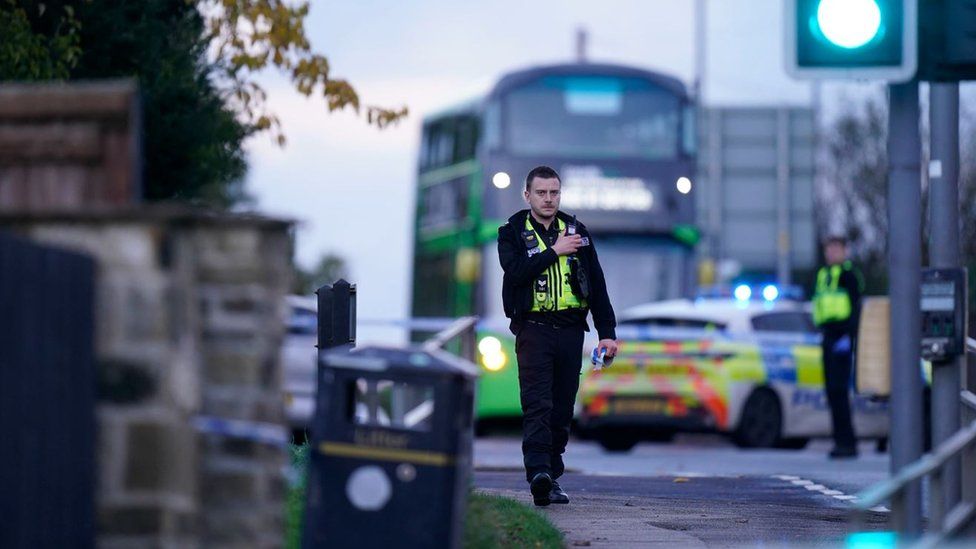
(904, 268)
(947, 40)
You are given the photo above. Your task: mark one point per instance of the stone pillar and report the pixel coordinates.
(189, 321)
(242, 273)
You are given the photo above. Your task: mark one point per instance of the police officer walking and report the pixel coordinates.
(552, 278)
(836, 306)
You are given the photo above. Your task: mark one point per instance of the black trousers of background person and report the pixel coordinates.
(837, 381)
(549, 364)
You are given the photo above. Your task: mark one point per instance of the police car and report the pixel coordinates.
(298, 360)
(747, 365)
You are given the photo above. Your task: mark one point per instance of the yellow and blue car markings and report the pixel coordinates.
(684, 376)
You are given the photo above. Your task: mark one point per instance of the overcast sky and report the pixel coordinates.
(352, 187)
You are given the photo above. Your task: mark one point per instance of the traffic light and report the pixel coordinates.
(947, 40)
(852, 39)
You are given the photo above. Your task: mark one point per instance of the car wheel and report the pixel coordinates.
(761, 422)
(797, 443)
(659, 436)
(617, 441)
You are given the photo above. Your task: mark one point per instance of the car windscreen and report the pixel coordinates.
(796, 322)
(669, 322)
(302, 321)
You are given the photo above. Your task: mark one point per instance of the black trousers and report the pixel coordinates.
(837, 381)
(549, 364)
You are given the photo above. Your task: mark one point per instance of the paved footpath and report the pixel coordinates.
(674, 511)
(605, 521)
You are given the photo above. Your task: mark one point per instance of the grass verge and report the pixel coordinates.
(492, 522)
(495, 522)
(295, 498)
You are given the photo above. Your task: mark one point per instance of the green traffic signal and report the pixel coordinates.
(849, 24)
(852, 39)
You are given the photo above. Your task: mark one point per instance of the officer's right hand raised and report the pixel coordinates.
(567, 244)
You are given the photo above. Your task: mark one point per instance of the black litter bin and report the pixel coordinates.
(391, 449)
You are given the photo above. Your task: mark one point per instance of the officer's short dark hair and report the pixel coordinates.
(544, 172)
(835, 239)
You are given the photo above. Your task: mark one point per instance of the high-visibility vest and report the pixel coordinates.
(831, 302)
(551, 290)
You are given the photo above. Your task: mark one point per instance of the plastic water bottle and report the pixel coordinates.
(600, 359)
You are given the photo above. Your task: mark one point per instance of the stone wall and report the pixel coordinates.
(189, 321)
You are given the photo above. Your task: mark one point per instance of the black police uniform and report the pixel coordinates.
(549, 344)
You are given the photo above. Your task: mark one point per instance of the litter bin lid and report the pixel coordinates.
(399, 359)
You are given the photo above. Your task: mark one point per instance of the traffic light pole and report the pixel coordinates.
(904, 267)
(944, 252)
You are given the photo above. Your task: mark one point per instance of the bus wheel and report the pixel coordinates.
(761, 422)
(617, 441)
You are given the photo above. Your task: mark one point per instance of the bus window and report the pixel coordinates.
(493, 126)
(444, 204)
(434, 288)
(466, 142)
(593, 116)
(437, 145)
(689, 131)
(448, 141)
(443, 147)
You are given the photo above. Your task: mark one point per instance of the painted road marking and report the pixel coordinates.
(820, 488)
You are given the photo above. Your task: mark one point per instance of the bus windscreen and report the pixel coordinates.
(593, 117)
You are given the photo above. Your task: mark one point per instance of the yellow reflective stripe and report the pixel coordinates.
(809, 367)
(418, 457)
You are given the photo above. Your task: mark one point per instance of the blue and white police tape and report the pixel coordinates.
(255, 431)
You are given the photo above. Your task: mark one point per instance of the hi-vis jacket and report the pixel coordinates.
(836, 300)
(523, 267)
(552, 290)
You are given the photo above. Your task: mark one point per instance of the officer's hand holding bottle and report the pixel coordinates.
(603, 353)
(567, 244)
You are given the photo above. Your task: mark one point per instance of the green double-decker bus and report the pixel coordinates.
(623, 141)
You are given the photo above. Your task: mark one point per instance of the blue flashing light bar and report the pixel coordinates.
(742, 292)
(748, 292)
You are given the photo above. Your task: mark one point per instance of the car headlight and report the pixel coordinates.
(492, 356)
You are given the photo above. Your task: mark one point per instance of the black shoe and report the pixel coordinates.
(556, 495)
(541, 486)
(842, 452)
(882, 445)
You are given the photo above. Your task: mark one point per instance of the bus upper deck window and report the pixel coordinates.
(596, 96)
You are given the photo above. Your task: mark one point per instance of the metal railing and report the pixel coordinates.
(464, 328)
(943, 524)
